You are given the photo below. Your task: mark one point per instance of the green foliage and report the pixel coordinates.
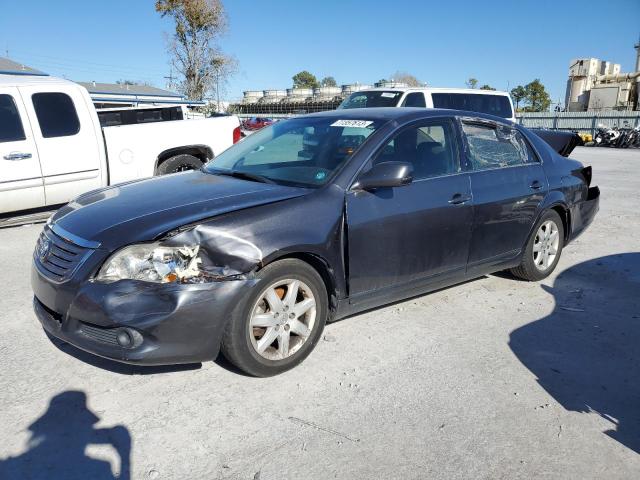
(518, 94)
(328, 82)
(304, 79)
(472, 82)
(537, 98)
(533, 96)
(486, 87)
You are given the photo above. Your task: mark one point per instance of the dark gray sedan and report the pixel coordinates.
(306, 221)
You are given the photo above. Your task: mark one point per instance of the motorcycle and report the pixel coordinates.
(606, 136)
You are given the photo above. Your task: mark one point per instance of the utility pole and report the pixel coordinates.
(217, 89)
(170, 78)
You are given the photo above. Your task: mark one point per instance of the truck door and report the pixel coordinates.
(21, 185)
(66, 139)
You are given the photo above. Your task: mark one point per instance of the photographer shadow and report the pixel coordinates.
(585, 353)
(59, 438)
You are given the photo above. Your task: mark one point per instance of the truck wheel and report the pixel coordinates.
(280, 320)
(179, 163)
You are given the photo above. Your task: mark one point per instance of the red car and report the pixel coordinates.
(256, 123)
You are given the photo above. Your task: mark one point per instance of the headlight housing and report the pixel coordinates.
(153, 262)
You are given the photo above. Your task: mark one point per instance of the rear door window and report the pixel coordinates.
(497, 105)
(11, 129)
(56, 114)
(415, 99)
(495, 146)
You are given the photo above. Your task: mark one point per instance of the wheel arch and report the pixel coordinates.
(320, 265)
(565, 216)
(203, 152)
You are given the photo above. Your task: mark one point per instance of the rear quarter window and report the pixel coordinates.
(56, 114)
(497, 105)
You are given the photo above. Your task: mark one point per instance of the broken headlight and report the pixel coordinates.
(152, 262)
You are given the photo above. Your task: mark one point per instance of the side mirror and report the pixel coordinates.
(384, 175)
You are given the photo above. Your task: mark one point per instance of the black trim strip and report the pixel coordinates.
(72, 173)
(21, 180)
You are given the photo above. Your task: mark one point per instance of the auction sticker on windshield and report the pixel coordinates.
(352, 123)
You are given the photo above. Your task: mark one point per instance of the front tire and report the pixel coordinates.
(542, 253)
(179, 163)
(277, 325)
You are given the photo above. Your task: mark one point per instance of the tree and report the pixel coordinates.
(472, 82)
(407, 78)
(194, 45)
(304, 79)
(518, 94)
(328, 82)
(486, 87)
(537, 98)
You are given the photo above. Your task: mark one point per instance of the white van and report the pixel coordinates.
(493, 102)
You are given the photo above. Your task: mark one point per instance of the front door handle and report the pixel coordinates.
(17, 156)
(459, 199)
(535, 185)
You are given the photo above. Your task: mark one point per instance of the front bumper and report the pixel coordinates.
(171, 323)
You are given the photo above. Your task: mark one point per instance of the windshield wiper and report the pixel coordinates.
(254, 177)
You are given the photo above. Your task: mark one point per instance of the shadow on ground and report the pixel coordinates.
(59, 438)
(586, 354)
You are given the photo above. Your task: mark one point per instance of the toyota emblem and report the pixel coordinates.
(43, 249)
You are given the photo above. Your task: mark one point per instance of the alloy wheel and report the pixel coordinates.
(545, 245)
(282, 319)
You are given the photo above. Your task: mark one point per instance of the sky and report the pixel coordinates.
(443, 43)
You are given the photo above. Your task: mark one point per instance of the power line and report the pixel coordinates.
(77, 61)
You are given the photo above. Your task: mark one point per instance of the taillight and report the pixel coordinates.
(237, 135)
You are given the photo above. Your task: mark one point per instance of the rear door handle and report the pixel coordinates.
(17, 156)
(459, 199)
(535, 185)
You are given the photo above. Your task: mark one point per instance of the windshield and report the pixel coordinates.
(371, 99)
(304, 151)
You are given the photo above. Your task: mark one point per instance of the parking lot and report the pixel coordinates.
(494, 378)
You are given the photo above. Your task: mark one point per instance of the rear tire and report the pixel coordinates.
(179, 163)
(260, 322)
(542, 253)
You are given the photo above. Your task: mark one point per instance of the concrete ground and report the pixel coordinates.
(495, 378)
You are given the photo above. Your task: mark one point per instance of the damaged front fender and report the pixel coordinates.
(223, 254)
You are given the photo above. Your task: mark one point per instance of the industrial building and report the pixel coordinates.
(595, 85)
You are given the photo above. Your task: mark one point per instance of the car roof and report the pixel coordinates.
(436, 90)
(12, 80)
(401, 114)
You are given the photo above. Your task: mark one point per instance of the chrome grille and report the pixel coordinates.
(58, 257)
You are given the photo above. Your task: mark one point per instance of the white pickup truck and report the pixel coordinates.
(53, 147)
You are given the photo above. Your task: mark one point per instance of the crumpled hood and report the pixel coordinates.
(144, 209)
